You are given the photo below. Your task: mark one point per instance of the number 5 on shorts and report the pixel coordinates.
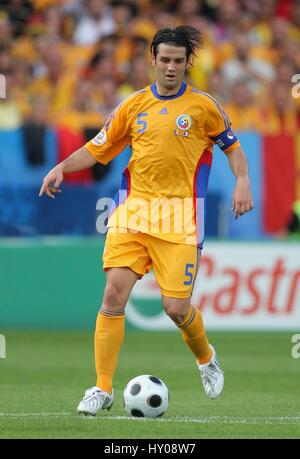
(188, 274)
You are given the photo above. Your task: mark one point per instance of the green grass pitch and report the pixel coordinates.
(44, 376)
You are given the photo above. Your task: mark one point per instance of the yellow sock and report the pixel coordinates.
(109, 335)
(193, 333)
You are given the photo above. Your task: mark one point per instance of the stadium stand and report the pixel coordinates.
(68, 63)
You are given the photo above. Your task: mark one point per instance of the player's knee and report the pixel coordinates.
(175, 311)
(113, 298)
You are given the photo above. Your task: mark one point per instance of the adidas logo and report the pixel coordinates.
(163, 111)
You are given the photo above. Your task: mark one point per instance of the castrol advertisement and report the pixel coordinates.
(241, 286)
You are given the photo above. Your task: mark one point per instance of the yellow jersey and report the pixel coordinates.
(164, 186)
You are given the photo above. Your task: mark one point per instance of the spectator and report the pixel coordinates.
(228, 16)
(278, 111)
(280, 32)
(138, 77)
(143, 25)
(139, 47)
(291, 50)
(10, 115)
(123, 11)
(56, 85)
(102, 66)
(18, 12)
(6, 62)
(187, 9)
(119, 49)
(21, 79)
(266, 12)
(285, 69)
(215, 87)
(295, 20)
(163, 19)
(24, 47)
(109, 97)
(53, 20)
(205, 63)
(241, 109)
(5, 30)
(96, 23)
(83, 113)
(243, 66)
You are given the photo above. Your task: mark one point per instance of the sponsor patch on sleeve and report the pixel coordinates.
(100, 138)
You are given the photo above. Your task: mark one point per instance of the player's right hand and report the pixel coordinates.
(51, 182)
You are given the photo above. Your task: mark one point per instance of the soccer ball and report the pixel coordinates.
(146, 396)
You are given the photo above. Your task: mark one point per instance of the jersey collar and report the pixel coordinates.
(174, 96)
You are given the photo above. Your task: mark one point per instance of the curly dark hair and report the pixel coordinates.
(186, 36)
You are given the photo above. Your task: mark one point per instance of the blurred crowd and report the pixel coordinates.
(70, 62)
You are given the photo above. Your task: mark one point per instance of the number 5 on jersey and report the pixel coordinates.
(142, 123)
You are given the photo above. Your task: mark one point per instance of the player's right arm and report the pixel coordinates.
(107, 144)
(80, 159)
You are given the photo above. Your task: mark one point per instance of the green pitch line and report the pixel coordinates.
(45, 374)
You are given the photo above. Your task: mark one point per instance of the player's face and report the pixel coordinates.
(170, 65)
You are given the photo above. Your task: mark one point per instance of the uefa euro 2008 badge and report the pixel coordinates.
(100, 138)
(183, 122)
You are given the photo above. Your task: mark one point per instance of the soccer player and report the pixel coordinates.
(171, 128)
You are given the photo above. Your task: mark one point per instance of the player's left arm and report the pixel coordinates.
(242, 200)
(218, 128)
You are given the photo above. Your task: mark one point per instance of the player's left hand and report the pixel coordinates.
(242, 200)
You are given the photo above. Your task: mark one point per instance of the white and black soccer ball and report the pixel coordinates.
(146, 396)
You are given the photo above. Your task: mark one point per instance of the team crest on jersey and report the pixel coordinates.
(100, 138)
(184, 122)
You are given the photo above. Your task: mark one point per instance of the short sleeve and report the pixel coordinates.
(218, 126)
(217, 119)
(113, 137)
